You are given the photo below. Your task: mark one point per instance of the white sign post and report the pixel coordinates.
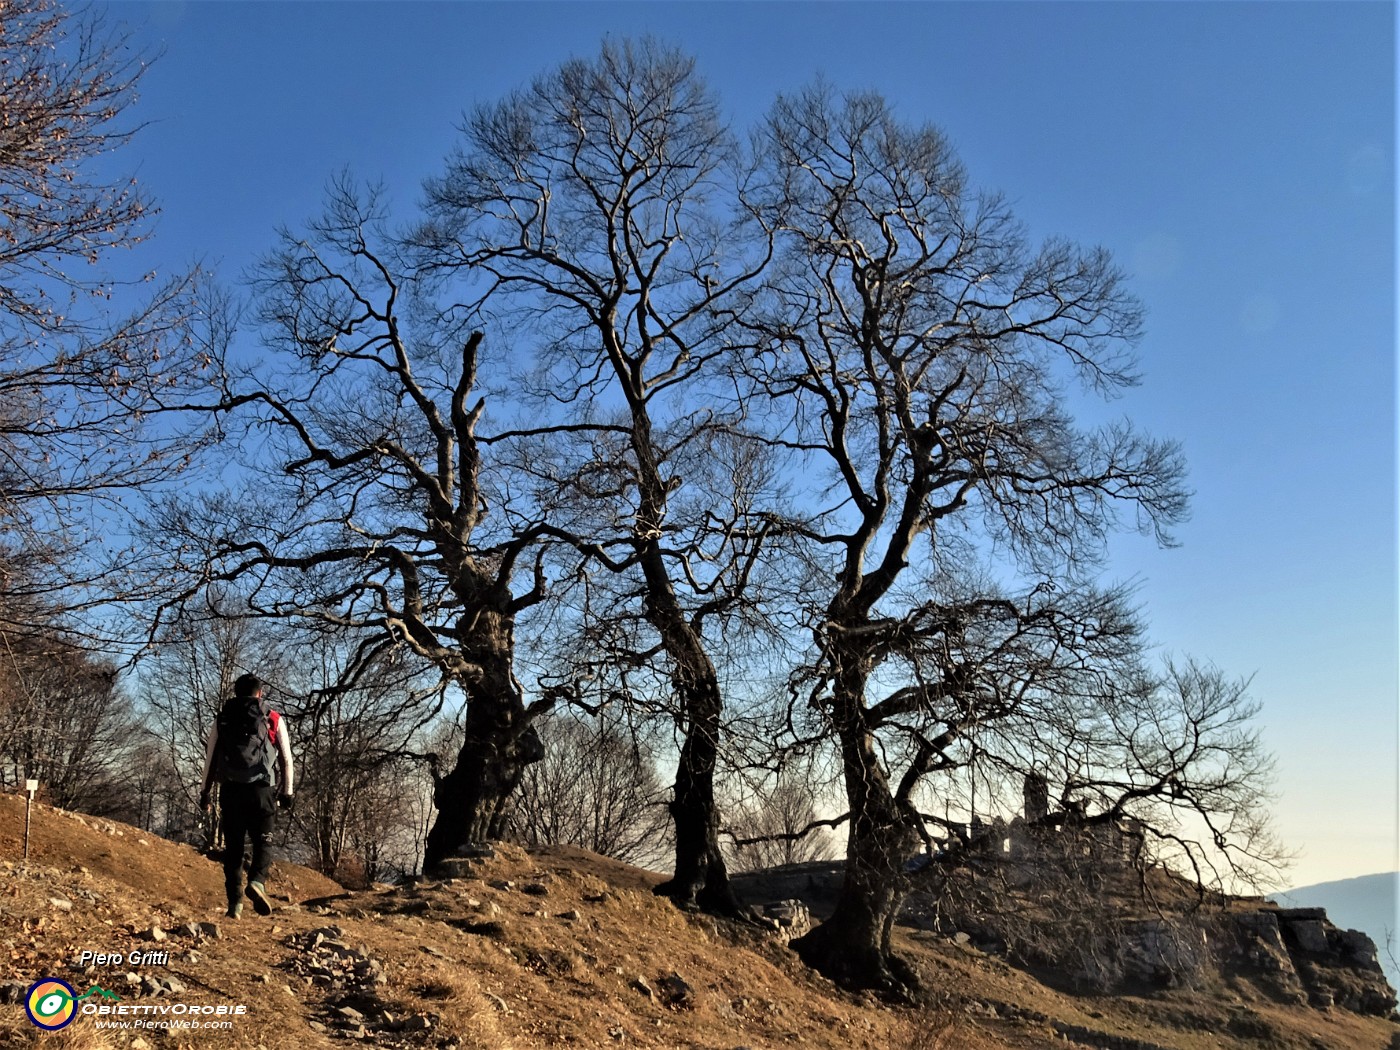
(30, 788)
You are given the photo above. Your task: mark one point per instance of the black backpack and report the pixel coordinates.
(243, 751)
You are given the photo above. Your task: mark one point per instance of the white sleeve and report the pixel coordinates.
(284, 751)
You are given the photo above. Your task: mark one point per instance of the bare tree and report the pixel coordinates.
(83, 381)
(597, 787)
(368, 512)
(916, 351)
(1153, 811)
(159, 802)
(902, 363)
(596, 206)
(1177, 755)
(65, 722)
(779, 825)
(358, 775)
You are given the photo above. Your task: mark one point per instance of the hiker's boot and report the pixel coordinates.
(257, 893)
(234, 892)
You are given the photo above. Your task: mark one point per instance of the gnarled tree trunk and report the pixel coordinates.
(852, 947)
(471, 799)
(499, 742)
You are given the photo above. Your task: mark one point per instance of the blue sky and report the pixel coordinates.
(1238, 159)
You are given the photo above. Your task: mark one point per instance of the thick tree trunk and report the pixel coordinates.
(471, 799)
(701, 879)
(852, 947)
(499, 743)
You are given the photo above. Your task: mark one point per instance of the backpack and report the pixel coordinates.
(244, 752)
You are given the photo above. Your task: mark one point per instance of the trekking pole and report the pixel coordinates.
(30, 787)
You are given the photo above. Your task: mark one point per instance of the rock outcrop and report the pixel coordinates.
(1307, 959)
(1295, 955)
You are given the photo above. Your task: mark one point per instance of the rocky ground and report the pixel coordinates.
(524, 950)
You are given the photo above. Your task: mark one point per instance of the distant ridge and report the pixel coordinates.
(1369, 903)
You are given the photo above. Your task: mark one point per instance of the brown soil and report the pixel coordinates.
(574, 951)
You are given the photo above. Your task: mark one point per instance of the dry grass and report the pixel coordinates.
(935, 1028)
(559, 958)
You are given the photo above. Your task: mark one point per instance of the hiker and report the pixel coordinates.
(249, 755)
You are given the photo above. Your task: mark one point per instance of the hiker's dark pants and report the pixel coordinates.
(248, 810)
